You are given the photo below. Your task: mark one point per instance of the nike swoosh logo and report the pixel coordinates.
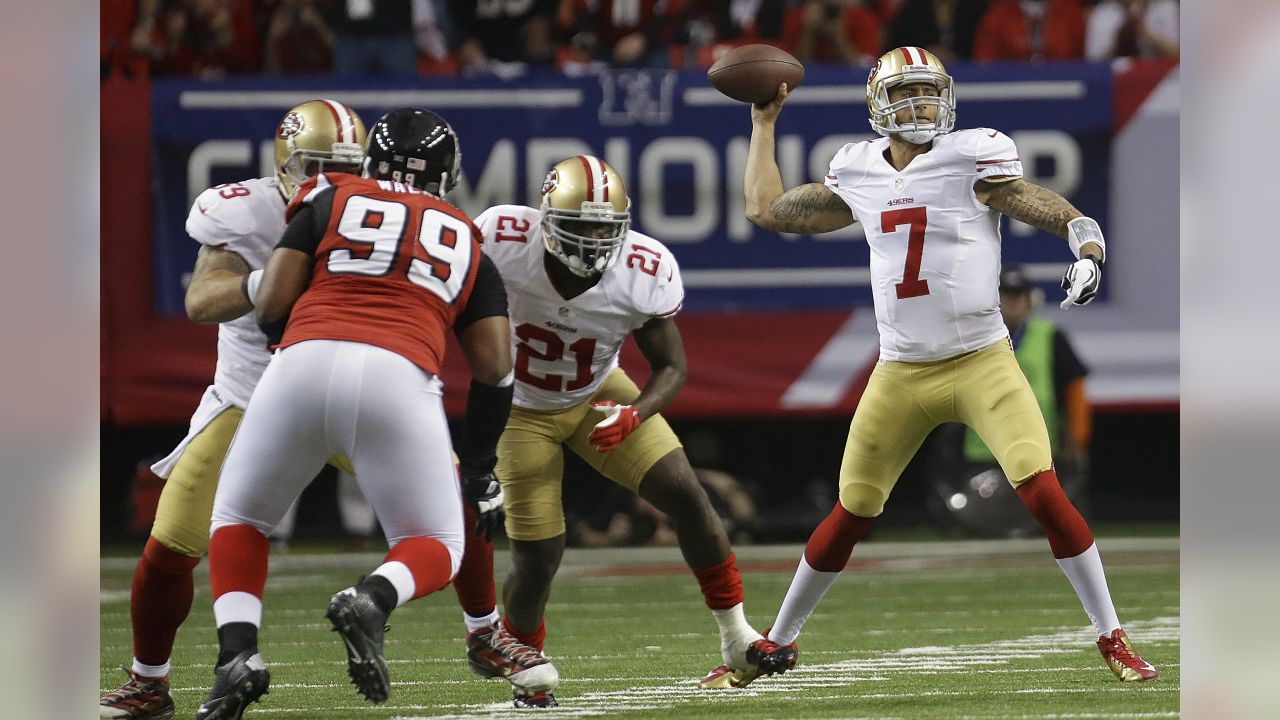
(994, 133)
(1148, 666)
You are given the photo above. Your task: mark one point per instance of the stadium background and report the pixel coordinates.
(779, 330)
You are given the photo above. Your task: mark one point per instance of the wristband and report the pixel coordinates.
(1084, 230)
(250, 284)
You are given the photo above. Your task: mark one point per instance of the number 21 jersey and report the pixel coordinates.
(564, 349)
(935, 250)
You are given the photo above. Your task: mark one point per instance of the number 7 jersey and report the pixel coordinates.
(564, 349)
(935, 250)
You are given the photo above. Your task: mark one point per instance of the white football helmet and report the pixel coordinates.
(903, 66)
(585, 214)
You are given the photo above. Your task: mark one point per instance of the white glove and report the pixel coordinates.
(1081, 282)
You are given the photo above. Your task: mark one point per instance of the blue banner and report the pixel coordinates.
(680, 146)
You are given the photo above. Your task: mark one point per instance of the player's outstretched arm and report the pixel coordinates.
(1034, 205)
(216, 293)
(1043, 208)
(811, 208)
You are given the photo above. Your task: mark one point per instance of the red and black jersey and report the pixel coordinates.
(394, 266)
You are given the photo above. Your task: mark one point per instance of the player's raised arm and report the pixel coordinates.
(1045, 209)
(221, 287)
(811, 208)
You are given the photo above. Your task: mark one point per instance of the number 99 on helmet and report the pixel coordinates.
(585, 214)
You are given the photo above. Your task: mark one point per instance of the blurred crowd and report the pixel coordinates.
(216, 38)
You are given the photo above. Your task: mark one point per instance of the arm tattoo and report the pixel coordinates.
(1032, 204)
(810, 208)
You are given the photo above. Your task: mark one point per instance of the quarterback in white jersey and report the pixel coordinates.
(934, 294)
(579, 281)
(930, 201)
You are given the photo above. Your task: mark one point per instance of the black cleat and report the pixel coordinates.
(769, 657)
(242, 680)
(360, 623)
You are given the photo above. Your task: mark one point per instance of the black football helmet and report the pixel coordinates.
(415, 147)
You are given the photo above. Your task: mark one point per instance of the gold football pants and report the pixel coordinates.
(903, 402)
(531, 459)
(186, 501)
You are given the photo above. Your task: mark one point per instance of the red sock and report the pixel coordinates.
(474, 584)
(831, 543)
(428, 561)
(160, 600)
(721, 584)
(533, 639)
(1067, 531)
(237, 561)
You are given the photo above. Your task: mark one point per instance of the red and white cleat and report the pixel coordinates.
(494, 652)
(1123, 661)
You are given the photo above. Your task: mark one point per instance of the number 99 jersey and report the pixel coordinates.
(935, 250)
(564, 349)
(393, 265)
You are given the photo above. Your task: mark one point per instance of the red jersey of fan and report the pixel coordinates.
(393, 265)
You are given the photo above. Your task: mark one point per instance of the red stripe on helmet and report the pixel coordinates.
(342, 120)
(591, 180)
(924, 59)
(907, 54)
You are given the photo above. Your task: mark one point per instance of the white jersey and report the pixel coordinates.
(564, 349)
(246, 218)
(935, 250)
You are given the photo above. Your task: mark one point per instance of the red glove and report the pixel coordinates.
(619, 422)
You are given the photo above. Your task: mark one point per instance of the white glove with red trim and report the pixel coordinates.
(619, 422)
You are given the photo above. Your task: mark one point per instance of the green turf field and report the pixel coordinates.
(959, 629)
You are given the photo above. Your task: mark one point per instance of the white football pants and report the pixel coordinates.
(321, 398)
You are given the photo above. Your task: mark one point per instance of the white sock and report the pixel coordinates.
(806, 591)
(150, 671)
(735, 635)
(237, 606)
(1090, 583)
(398, 574)
(487, 621)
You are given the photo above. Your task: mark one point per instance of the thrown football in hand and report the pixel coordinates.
(752, 73)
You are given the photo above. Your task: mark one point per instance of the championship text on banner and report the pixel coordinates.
(680, 146)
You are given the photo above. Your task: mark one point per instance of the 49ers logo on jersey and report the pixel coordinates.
(291, 125)
(553, 179)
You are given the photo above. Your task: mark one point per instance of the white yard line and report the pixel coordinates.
(823, 676)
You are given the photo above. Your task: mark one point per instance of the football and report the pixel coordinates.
(752, 73)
